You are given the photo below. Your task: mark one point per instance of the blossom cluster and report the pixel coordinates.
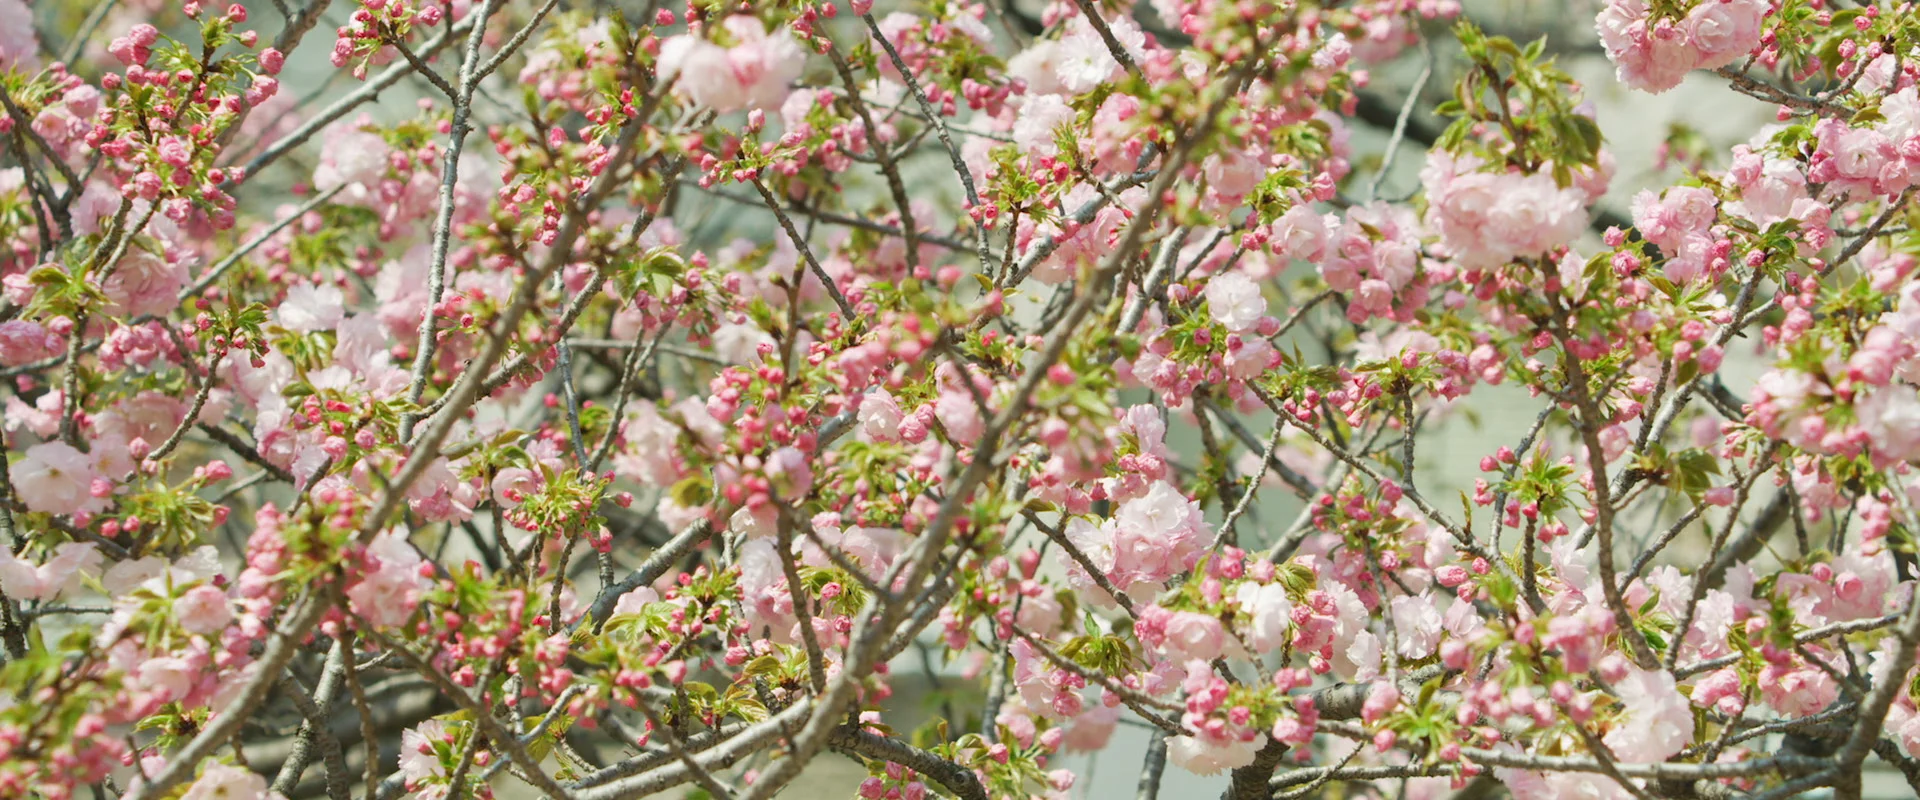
(661, 393)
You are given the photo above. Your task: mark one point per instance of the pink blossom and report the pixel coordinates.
(1375, 297)
(144, 283)
(1669, 220)
(739, 343)
(55, 478)
(1797, 690)
(1154, 537)
(203, 610)
(1771, 190)
(24, 342)
(1417, 625)
(789, 473)
(1046, 690)
(1890, 415)
(363, 348)
(701, 70)
(1082, 60)
(1658, 721)
(353, 159)
(312, 307)
(222, 782)
(1856, 160)
(1904, 724)
(650, 440)
(872, 419)
(754, 73)
(1194, 636)
(1655, 55)
(764, 592)
(1362, 657)
(511, 485)
(1211, 756)
(390, 588)
(19, 44)
(636, 601)
(1300, 234)
(136, 46)
(880, 416)
(24, 580)
(959, 413)
(175, 151)
(1090, 732)
(1721, 31)
(418, 761)
(1720, 689)
(1235, 301)
(1249, 358)
(1489, 218)
(1526, 785)
(1382, 698)
(1040, 119)
(438, 495)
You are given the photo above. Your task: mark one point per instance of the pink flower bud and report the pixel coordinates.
(1380, 700)
(1384, 740)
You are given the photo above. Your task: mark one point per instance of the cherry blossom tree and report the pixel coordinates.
(642, 383)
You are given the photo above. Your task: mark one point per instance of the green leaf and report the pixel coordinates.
(1687, 372)
(699, 691)
(691, 492)
(751, 710)
(1589, 132)
(764, 665)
